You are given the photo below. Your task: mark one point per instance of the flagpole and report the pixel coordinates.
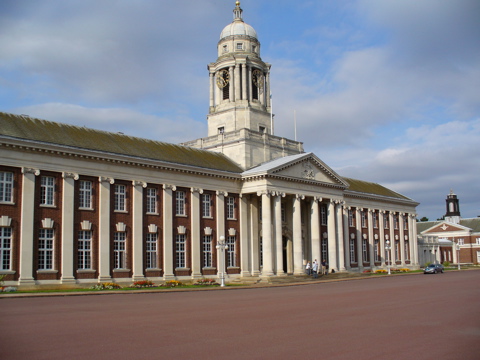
(271, 112)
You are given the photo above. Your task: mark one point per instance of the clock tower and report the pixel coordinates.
(240, 119)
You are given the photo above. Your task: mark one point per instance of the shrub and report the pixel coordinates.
(173, 283)
(106, 286)
(380, 271)
(206, 282)
(143, 284)
(404, 270)
(446, 263)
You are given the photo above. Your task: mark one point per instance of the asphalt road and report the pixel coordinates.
(396, 317)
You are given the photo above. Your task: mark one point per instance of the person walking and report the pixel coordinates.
(324, 267)
(315, 269)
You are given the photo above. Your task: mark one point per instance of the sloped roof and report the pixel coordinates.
(24, 127)
(472, 223)
(360, 186)
(274, 164)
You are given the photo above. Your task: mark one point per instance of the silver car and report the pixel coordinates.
(433, 269)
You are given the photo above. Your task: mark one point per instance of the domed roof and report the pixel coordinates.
(238, 26)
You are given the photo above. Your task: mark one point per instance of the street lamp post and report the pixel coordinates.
(222, 247)
(388, 247)
(458, 255)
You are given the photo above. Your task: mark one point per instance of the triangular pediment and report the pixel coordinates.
(445, 227)
(305, 167)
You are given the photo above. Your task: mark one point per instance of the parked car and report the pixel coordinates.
(433, 269)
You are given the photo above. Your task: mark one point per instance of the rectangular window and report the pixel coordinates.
(375, 220)
(364, 219)
(120, 250)
(376, 251)
(5, 248)
(284, 214)
(239, 46)
(180, 203)
(152, 201)
(324, 249)
(151, 246)
(323, 215)
(207, 251)
(230, 208)
(365, 250)
(395, 221)
(231, 251)
(206, 206)
(461, 241)
(385, 221)
(47, 186)
(407, 251)
(350, 218)
(84, 249)
(120, 198)
(352, 251)
(405, 222)
(397, 250)
(477, 241)
(180, 251)
(85, 194)
(45, 249)
(6, 186)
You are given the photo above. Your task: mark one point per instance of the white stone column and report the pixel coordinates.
(341, 248)
(196, 233)
(371, 240)
(392, 238)
(267, 91)
(267, 269)
(231, 94)
(244, 82)
(27, 226)
(249, 82)
(332, 245)
(244, 248)
(212, 90)
(220, 214)
(278, 234)
(254, 237)
(414, 240)
(137, 229)
(104, 229)
(237, 82)
(168, 231)
(297, 236)
(381, 225)
(402, 237)
(359, 237)
(315, 229)
(346, 237)
(218, 92)
(68, 231)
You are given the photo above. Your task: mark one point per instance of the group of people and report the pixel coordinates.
(313, 268)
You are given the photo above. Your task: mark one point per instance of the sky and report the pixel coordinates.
(385, 91)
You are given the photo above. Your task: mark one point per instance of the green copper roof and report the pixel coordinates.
(24, 127)
(366, 187)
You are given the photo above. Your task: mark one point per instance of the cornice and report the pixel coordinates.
(106, 157)
(358, 195)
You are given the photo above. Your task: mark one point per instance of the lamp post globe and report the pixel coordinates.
(388, 247)
(221, 246)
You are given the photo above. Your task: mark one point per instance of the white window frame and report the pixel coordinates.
(386, 221)
(477, 241)
(325, 249)
(365, 249)
(152, 201)
(323, 215)
(6, 187)
(397, 250)
(47, 191)
(363, 218)
(207, 251)
(461, 241)
(180, 251)
(407, 250)
(350, 218)
(395, 221)
(46, 249)
(231, 258)
(84, 255)
(206, 205)
(120, 198)
(375, 220)
(6, 248)
(120, 250)
(230, 208)
(85, 194)
(352, 251)
(151, 251)
(376, 251)
(239, 46)
(180, 203)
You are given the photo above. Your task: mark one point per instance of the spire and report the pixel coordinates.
(237, 12)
